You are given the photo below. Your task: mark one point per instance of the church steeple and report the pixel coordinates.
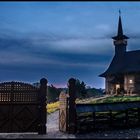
(120, 41)
(120, 34)
(120, 30)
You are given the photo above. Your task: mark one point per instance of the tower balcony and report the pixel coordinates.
(120, 42)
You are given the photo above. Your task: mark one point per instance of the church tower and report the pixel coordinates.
(120, 41)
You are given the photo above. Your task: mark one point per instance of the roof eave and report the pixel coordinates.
(120, 37)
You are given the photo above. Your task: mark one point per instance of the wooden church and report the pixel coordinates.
(123, 74)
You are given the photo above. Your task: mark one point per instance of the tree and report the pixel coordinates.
(80, 89)
(53, 93)
(83, 89)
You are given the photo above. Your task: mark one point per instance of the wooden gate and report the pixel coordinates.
(63, 112)
(67, 112)
(23, 107)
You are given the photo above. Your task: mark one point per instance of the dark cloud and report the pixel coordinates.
(134, 35)
(31, 56)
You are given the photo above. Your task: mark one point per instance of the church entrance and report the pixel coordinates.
(116, 84)
(119, 84)
(117, 87)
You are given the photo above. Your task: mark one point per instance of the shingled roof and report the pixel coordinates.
(129, 62)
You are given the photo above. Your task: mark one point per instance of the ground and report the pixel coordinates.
(53, 132)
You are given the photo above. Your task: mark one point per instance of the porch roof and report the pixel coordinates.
(129, 62)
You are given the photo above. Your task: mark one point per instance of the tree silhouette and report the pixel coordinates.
(53, 93)
(80, 89)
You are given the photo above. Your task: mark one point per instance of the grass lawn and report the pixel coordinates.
(52, 107)
(116, 99)
(111, 99)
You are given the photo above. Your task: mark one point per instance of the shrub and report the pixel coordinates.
(52, 107)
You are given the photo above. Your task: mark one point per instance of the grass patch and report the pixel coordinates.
(52, 107)
(116, 99)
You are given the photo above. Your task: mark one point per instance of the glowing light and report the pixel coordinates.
(117, 86)
(130, 81)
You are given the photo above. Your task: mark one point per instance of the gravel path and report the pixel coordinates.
(53, 132)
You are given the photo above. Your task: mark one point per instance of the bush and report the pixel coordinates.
(52, 107)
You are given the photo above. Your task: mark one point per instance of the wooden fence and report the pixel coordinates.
(23, 107)
(92, 116)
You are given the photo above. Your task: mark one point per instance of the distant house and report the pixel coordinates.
(123, 74)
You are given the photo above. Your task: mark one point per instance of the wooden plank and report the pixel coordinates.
(138, 115)
(94, 120)
(63, 113)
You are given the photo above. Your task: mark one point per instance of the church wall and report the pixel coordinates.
(110, 88)
(137, 83)
(129, 83)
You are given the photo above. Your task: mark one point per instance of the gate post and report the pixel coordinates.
(72, 106)
(42, 106)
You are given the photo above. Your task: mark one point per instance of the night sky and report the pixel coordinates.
(60, 40)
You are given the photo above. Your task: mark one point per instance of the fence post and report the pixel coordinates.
(110, 118)
(139, 115)
(94, 119)
(72, 106)
(126, 117)
(42, 106)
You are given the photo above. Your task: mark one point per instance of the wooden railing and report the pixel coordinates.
(110, 113)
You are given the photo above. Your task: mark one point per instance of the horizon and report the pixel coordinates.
(61, 40)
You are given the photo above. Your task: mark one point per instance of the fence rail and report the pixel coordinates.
(95, 115)
(102, 107)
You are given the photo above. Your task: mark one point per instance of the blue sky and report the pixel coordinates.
(60, 40)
